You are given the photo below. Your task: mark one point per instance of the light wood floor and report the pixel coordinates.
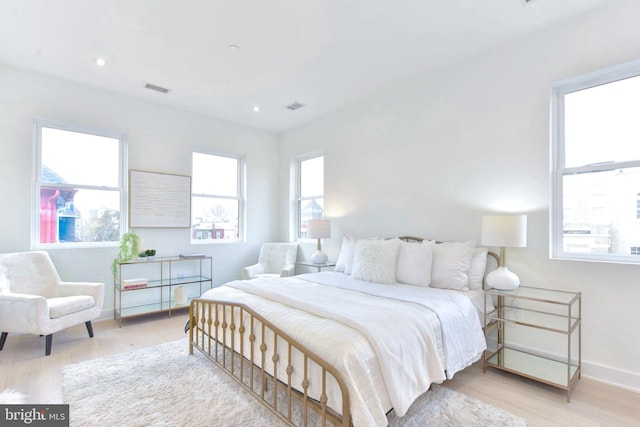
(24, 367)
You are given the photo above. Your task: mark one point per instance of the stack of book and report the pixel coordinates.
(134, 283)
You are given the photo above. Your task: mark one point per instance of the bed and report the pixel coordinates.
(346, 347)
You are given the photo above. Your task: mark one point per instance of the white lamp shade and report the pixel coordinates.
(318, 228)
(504, 230)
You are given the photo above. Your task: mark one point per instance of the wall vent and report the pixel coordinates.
(156, 88)
(294, 106)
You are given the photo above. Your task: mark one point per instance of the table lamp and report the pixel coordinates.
(504, 231)
(319, 228)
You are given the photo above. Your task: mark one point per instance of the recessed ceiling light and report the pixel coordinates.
(234, 47)
(100, 62)
(256, 108)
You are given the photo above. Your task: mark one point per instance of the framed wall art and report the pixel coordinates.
(159, 200)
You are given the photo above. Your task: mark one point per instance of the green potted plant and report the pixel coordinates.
(127, 250)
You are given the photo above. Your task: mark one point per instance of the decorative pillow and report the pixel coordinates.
(451, 261)
(477, 268)
(375, 260)
(414, 263)
(346, 254)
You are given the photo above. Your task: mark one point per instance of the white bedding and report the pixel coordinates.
(349, 318)
(462, 336)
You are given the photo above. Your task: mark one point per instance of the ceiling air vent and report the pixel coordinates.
(294, 106)
(156, 88)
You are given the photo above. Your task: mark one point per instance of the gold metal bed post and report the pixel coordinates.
(239, 340)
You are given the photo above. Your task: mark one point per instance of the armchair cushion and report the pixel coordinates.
(61, 306)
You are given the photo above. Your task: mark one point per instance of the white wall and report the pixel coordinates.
(429, 157)
(160, 139)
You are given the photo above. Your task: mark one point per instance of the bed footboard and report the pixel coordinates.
(290, 380)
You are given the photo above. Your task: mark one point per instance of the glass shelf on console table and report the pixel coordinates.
(159, 284)
(552, 311)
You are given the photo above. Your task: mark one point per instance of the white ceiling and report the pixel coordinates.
(325, 54)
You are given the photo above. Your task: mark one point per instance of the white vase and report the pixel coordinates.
(180, 296)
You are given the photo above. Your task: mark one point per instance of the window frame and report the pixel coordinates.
(39, 124)
(241, 174)
(298, 191)
(557, 159)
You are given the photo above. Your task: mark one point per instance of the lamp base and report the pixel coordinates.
(503, 279)
(319, 257)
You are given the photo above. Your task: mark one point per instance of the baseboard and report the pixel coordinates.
(615, 377)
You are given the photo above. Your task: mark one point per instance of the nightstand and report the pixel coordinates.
(318, 266)
(551, 311)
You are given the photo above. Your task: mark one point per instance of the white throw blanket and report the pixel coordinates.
(407, 355)
(462, 333)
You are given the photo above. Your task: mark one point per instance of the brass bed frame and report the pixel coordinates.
(221, 330)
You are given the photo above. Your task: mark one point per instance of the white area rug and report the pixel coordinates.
(164, 386)
(12, 397)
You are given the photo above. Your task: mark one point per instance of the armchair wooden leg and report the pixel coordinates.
(47, 350)
(89, 328)
(3, 338)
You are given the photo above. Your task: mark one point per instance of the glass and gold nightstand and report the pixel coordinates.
(320, 267)
(552, 311)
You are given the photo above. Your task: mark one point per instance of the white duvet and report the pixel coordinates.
(389, 354)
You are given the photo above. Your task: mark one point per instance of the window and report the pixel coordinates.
(216, 198)
(310, 191)
(596, 166)
(79, 183)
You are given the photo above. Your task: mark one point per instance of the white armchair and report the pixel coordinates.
(33, 299)
(276, 259)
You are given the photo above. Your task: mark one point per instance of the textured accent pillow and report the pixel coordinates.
(477, 268)
(451, 261)
(375, 260)
(414, 263)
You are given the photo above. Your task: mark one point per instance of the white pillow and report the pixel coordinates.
(414, 263)
(375, 260)
(477, 268)
(342, 255)
(345, 258)
(451, 261)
